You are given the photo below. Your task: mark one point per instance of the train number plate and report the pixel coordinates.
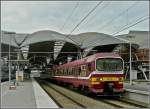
(110, 79)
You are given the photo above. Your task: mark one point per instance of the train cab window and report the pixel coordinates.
(109, 64)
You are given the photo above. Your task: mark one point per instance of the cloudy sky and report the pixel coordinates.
(109, 17)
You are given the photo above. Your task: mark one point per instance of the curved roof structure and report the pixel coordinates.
(85, 40)
(140, 38)
(92, 39)
(45, 35)
(89, 39)
(45, 41)
(8, 38)
(20, 38)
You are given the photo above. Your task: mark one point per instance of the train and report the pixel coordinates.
(101, 73)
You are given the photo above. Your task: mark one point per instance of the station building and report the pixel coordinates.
(47, 47)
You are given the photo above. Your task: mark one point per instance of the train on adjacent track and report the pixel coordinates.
(101, 73)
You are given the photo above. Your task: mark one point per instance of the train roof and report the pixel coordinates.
(88, 59)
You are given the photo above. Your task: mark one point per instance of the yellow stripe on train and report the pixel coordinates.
(110, 79)
(107, 79)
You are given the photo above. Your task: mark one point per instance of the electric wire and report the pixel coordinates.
(72, 12)
(120, 14)
(63, 26)
(93, 9)
(98, 11)
(139, 21)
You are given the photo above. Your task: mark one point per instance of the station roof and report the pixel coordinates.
(45, 35)
(8, 38)
(139, 37)
(84, 40)
(46, 40)
(92, 39)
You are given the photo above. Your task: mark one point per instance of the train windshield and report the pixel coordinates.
(109, 64)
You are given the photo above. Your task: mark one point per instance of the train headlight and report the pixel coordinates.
(96, 79)
(101, 79)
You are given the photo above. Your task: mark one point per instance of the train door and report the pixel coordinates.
(89, 69)
(83, 70)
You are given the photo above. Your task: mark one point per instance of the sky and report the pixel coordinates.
(63, 16)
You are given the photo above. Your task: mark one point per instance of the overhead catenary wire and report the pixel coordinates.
(70, 15)
(95, 7)
(98, 11)
(62, 27)
(86, 16)
(139, 21)
(116, 17)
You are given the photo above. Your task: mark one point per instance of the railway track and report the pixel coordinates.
(134, 103)
(68, 98)
(117, 102)
(60, 98)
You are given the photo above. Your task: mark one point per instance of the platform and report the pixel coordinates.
(141, 86)
(28, 94)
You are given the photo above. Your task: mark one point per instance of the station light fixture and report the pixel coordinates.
(130, 42)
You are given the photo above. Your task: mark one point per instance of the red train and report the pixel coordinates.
(101, 73)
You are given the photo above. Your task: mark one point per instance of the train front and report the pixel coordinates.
(107, 79)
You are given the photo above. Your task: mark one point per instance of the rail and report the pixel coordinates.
(141, 97)
(91, 101)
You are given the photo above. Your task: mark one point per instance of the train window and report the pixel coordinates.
(70, 71)
(79, 70)
(83, 70)
(63, 72)
(55, 72)
(83, 67)
(73, 71)
(89, 67)
(109, 64)
(67, 71)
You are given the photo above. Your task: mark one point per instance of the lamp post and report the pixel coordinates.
(18, 65)
(9, 65)
(11, 33)
(130, 41)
